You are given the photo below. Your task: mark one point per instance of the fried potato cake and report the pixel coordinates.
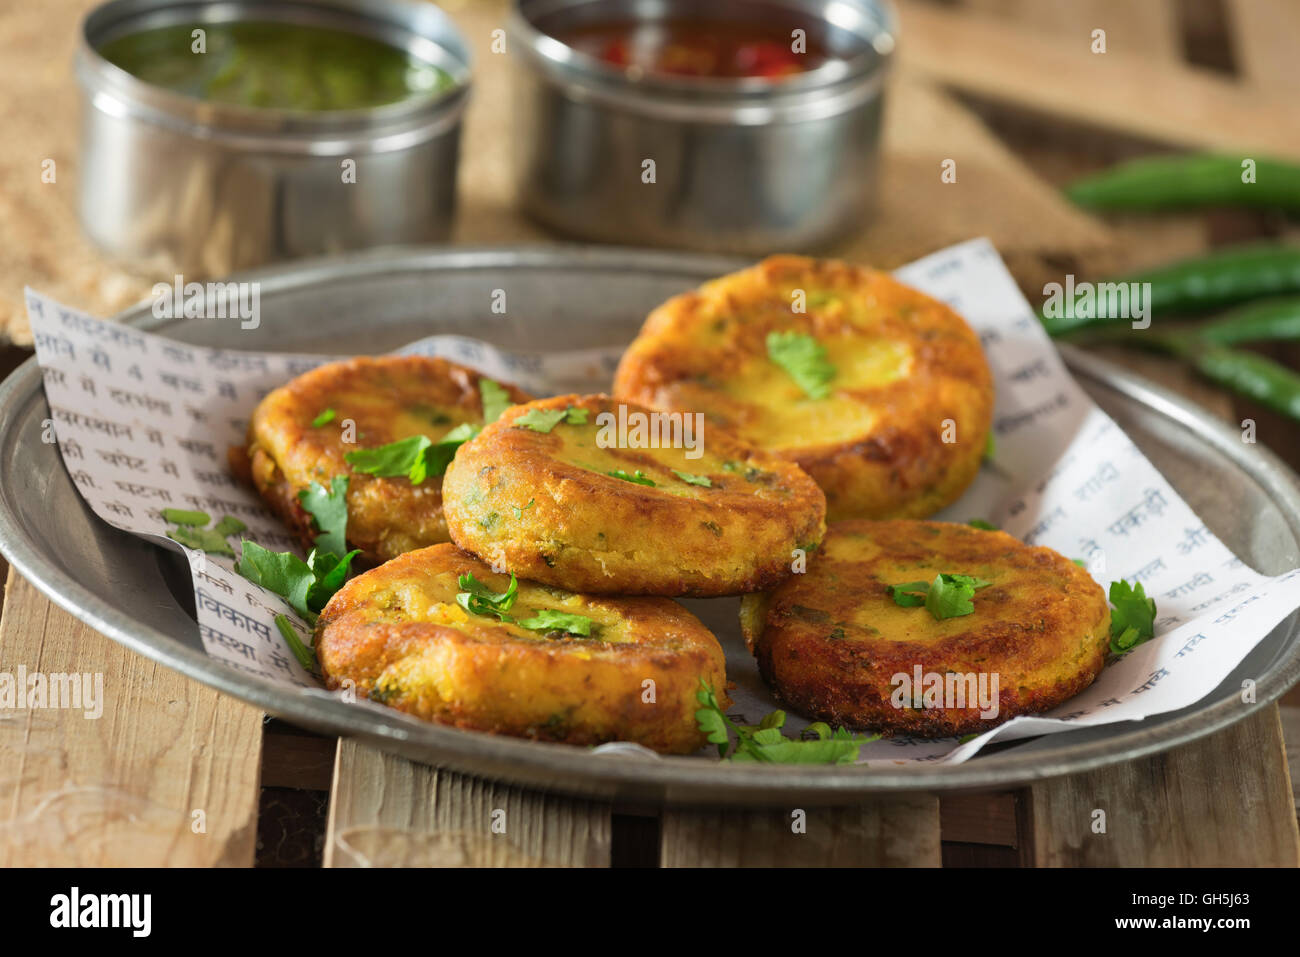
(832, 643)
(399, 633)
(581, 503)
(386, 399)
(908, 396)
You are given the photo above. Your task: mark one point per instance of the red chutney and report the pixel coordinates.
(689, 47)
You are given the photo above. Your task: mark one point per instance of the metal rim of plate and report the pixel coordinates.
(668, 780)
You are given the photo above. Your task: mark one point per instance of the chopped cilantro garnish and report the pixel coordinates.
(330, 572)
(306, 656)
(281, 572)
(1132, 621)
(549, 620)
(637, 478)
(229, 525)
(202, 539)
(306, 585)
(415, 457)
(701, 480)
(324, 418)
(990, 447)
(330, 511)
(948, 596)
(520, 509)
(985, 525)
(478, 599)
(495, 400)
(540, 420)
(543, 420)
(190, 533)
(764, 741)
(804, 359)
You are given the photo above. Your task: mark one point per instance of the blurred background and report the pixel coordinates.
(1015, 93)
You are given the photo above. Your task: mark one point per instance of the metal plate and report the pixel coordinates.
(569, 298)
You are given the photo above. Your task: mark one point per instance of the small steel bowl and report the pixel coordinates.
(748, 165)
(211, 188)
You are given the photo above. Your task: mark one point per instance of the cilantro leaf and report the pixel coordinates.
(549, 620)
(438, 455)
(326, 416)
(229, 525)
(1133, 619)
(640, 478)
(982, 524)
(701, 480)
(415, 457)
(189, 530)
(330, 573)
(520, 509)
(906, 595)
(281, 572)
(184, 516)
(804, 359)
(765, 742)
(306, 656)
(478, 599)
(495, 400)
(330, 510)
(948, 596)
(543, 420)
(990, 447)
(949, 599)
(201, 539)
(391, 460)
(306, 586)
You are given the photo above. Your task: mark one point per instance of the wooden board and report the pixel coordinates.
(1265, 34)
(1122, 90)
(995, 194)
(1223, 801)
(895, 832)
(386, 811)
(133, 786)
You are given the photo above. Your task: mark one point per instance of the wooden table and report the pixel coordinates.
(174, 773)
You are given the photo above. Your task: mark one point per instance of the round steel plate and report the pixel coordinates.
(562, 298)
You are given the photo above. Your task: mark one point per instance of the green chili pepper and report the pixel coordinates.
(1222, 278)
(1269, 320)
(1249, 374)
(1185, 182)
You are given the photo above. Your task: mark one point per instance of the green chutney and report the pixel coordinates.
(276, 65)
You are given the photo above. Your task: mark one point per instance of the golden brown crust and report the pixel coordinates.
(830, 642)
(906, 364)
(387, 398)
(397, 632)
(590, 531)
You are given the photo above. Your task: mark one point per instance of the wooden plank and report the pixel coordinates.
(386, 811)
(1223, 801)
(1264, 36)
(1118, 90)
(895, 832)
(1290, 717)
(126, 788)
(1147, 28)
(995, 194)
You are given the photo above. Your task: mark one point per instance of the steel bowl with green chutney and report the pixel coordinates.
(218, 136)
